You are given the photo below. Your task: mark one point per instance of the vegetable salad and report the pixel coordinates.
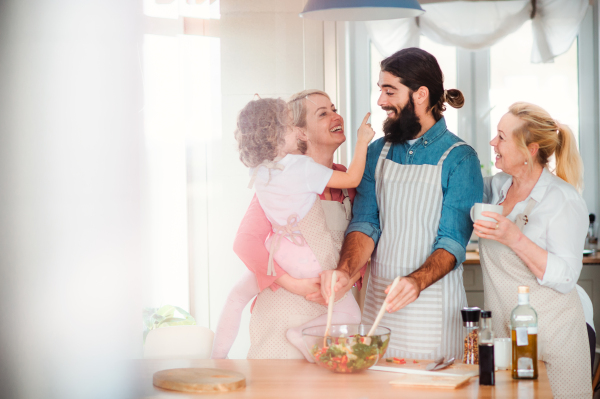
(348, 355)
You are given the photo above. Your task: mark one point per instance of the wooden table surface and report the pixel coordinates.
(299, 379)
(473, 259)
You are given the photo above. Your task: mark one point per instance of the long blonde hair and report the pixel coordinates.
(297, 103)
(553, 138)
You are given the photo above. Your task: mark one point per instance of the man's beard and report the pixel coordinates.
(405, 126)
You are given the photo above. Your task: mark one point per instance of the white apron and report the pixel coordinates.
(275, 312)
(562, 334)
(410, 199)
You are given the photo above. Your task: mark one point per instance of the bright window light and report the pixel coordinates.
(552, 86)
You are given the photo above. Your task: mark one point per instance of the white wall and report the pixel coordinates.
(70, 203)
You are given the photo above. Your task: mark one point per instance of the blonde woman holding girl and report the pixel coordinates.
(305, 233)
(538, 241)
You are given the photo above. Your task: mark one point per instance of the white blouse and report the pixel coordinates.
(558, 223)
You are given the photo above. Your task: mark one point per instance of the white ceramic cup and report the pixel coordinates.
(502, 353)
(478, 208)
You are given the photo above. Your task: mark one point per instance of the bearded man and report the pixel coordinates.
(411, 213)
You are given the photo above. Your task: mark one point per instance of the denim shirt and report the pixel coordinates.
(462, 186)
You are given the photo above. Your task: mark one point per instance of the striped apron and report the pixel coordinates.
(410, 199)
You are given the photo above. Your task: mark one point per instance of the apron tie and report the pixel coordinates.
(270, 165)
(347, 204)
(284, 231)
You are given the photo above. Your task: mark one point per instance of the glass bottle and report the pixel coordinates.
(470, 318)
(591, 241)
(523, 326)
(486, 350)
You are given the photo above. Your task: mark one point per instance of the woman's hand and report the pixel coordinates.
(300, 286)
(504, 231)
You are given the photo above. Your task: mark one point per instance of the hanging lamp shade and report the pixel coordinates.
(360, 10)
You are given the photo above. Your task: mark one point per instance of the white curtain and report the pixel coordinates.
(477, 25)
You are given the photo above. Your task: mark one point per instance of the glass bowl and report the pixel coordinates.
(347, 349)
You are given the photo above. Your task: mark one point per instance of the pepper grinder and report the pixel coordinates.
(470, 318)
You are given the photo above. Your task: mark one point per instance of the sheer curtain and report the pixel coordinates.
(476, 25)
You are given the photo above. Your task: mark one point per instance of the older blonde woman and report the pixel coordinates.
(538, 241)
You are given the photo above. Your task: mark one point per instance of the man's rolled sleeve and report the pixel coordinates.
(455, 248)
(463, 189)
(365, 228)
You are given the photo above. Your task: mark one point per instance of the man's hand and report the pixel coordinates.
(407, 291)
(342, 280)
(317, 297)
(439, 263)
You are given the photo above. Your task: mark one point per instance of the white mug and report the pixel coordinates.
(478, 208)
(502, 353)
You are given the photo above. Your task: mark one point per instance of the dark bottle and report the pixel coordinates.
(486, 350)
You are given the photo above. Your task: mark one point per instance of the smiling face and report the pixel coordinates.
(509, 156)
(397, 100)
(394, 95)
(324, 126)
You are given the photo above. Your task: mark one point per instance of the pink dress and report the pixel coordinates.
(254, 230)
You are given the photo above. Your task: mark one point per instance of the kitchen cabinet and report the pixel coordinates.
(589, 280)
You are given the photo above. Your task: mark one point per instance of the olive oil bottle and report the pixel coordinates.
(523, 326)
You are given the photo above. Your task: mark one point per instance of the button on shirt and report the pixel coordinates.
(462, 186)
(558, 224)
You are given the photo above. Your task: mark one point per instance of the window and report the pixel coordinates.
(552, 86)
(493, 79)
(182, 118)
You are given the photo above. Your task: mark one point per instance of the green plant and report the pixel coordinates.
(165, 317)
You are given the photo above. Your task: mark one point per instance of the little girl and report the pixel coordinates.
(287, 188)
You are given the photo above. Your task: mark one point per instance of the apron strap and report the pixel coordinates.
(284, 231)
(347, 204)
(522, 218)
(443, 158)
(382, 157)
(270, 165)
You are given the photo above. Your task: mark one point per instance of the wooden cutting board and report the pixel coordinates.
(457, 368)
(431, 381)
(451, 377)
(199, 380)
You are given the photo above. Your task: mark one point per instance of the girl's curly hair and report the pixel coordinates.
(261, 128)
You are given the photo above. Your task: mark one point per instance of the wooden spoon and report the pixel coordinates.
(330, 307)
(382, 310)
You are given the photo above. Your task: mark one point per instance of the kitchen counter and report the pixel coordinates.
(473, 259)
(300, 379)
